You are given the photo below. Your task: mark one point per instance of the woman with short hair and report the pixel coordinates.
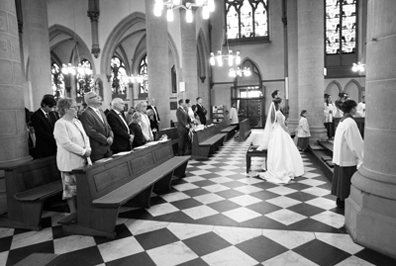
(73, 148)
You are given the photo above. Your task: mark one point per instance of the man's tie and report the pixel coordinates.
(100, 115)
(48, 118)
(123, 118)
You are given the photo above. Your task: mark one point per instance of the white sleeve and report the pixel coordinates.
(354, 140)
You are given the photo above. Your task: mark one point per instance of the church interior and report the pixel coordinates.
(226, 52)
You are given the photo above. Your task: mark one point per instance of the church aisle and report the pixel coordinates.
(216, 215)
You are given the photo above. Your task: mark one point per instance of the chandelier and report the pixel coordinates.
(208, 6)
(76, 69)
(230, 58)
(238, 72)
(359, 67)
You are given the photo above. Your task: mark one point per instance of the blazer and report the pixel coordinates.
(182, 118)
(154, 123)
(97, 131)
(72, 142)
(120, 130)
(45, 142)
(139, 139)
(201, 112)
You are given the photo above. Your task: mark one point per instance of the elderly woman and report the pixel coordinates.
(73, 148)
(136, 130)
(347, 153)
(141, 107)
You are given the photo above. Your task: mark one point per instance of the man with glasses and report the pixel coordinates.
(117, 120)
(97, 128)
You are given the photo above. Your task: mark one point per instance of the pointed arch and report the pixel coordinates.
(333, 89)
(354, 90)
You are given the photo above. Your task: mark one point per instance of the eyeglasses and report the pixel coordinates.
(73, 107)
(94, 96)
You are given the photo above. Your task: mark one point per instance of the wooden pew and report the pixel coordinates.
(206, 141)
(172, 134)
(124, 180)
(244, 129)
(225, 127)
(28, 185)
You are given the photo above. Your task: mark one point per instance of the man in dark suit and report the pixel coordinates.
(183, 126)
(200, 111)
(43, 123)
(156, 119)
(117, 120)
(96, 127)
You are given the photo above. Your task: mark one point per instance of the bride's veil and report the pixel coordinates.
(268, 128)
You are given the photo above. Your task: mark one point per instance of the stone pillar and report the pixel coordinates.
(294, 112)
(157, 60)
(310, 16)
(370, 211)
(93, 14)
(36, 25)
(13, 133)
(189, 60)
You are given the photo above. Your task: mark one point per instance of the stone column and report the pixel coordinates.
(158, 62)
(93, 14)
(370, 211)
(294, 111)
(189, 60)
(13, 133)
(36, 25)
(311, 64)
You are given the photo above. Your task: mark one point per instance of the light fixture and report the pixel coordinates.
(230, 57)
(133, 78)
(73, 69)
(207, 6)
(359, 67)
(240, 72)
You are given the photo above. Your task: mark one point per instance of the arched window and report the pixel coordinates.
(118, 86)
(340, 26)
(84, 81)
(246, 19)
(58, 84)
(143, 70)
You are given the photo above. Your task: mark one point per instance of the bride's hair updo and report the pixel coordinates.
(277, 101)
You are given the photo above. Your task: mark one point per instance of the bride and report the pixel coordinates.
(284, 161)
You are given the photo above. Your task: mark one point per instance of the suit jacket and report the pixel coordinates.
(139, 139)
(201, 112)
(97, 131)
(154, 123)
(120, 131)
(72, 143)
(182, 119)
(45, 142)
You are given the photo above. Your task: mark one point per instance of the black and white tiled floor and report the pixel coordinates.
(216, 215)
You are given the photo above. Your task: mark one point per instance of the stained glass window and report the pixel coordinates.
(246, 18)
(118, 70)
(58, 84)
(340, 26)
(85, 81)
(143, 70)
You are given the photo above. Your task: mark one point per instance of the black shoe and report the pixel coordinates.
(340, 203)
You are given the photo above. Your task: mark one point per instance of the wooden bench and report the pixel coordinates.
(28, 185)
(172, 134)
(206, 141)
(225, 127)
(124, 180)
(253, 152)
(244, 129)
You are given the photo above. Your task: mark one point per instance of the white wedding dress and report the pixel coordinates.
(284, 161)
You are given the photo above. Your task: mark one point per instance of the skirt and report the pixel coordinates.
(69, 185)
(303, 143)
(341, 186)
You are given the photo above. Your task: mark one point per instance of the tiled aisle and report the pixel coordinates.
(216, 215)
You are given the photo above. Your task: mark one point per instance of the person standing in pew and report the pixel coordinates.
(183, 127)
(141, 107)
(136, 130)
(117, 120)
(200, 111)
(97, 128)
(73, 148)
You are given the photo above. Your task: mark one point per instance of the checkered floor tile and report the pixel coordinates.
(217, 215)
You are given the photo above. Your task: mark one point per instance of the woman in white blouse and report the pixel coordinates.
(73, 148)
(141, 107)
